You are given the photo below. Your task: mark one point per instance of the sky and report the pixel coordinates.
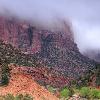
(83, 14)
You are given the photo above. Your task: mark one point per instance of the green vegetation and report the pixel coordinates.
(65, 93)
(51, 89)
(9, 97)
(4, 72)
(88, 92)
(94, 93)
(17, 97)
(8, 52)
(83, 92)
(23, 97)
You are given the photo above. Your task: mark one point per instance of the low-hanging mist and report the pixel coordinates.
(83, 15)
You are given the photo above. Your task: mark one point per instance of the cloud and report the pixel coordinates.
(83, 14)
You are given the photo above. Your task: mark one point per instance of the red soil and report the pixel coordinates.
(24, 84)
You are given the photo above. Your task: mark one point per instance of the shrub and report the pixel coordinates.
(27, 97)
(98, 96)
(9, 97)
(23, 97)
(51, 89)
(19, 97)
(88, 92)
(5, 73)
(85, 92)
(76, 90)
(65, 93)
(5, 79)
(95, 93)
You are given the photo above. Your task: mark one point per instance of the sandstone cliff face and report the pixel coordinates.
(19, 34)
(25, 36)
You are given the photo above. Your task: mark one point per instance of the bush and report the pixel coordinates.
(19, 97)
(5, 79)
(4, 74)
(65, 93)
(27, 97)
(9, 97)
(51, 89)
(76, 90)
(89, 93)
(23, 97)
(95, 94)
(85, 92)
(98, 96)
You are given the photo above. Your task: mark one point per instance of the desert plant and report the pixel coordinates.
(65, 93)
(98, 95)
(19, 97)
(5, 72)
(51, 89)
(5, 79)
(9, 97)
(85, 92)
(94, 93)
(27, 97)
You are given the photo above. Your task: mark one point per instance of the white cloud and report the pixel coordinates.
(84, 15)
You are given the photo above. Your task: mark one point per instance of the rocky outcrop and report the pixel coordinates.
(64, 56)
(19, 34)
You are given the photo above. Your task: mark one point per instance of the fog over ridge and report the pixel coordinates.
(83, 14)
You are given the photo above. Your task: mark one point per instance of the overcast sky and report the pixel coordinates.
(83, 14)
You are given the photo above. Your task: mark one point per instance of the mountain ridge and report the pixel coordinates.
(54, 51)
